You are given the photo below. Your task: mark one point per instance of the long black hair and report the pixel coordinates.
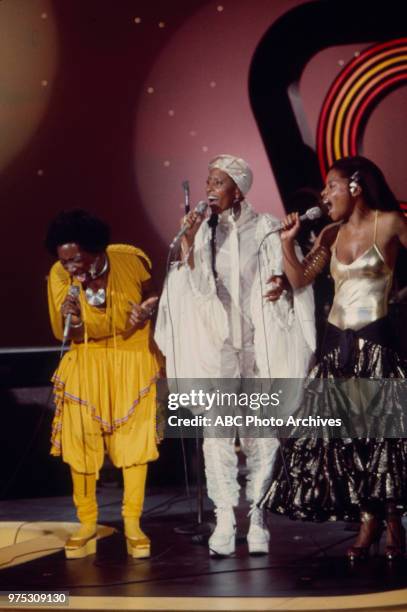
(377, 195)
(80, 227)
(376, 192)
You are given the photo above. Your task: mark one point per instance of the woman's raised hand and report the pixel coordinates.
(193, 221)
(291, 226)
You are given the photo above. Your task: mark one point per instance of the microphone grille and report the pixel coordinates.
(74, 290)
(313, 213)
(201, 207)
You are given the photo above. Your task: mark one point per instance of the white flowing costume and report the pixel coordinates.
(226, 329)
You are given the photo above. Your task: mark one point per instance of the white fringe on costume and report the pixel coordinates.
(194, 328)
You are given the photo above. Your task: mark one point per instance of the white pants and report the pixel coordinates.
(221, 468)
(221, 461)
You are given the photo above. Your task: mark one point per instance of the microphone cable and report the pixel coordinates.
(318, 547)
(262, 289)
(182, 440)
(212, 222)
(28, 448)
(44, 408)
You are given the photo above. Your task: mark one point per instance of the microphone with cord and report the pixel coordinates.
(187, 205)
(310, 215)
(200, 209)
(73, 292)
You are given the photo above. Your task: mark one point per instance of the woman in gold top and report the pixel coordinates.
(105, 384)
(354, 477)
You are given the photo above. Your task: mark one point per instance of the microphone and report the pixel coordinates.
(187, 206)
(200, 209)
(310, 215)
(73, 292)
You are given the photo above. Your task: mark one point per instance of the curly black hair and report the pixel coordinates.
(80, 227)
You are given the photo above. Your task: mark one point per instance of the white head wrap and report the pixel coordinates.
(238, 170)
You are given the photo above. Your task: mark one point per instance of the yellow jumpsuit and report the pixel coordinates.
(105, 386)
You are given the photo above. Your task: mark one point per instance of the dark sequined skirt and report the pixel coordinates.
(321, 479)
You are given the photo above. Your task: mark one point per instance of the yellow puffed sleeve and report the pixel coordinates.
(58, 286)
(141, 255)
(131, 259)
(129, 268)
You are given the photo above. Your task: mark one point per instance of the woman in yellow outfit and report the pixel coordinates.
(104, 386)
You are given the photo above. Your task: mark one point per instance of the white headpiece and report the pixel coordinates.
(238, 170)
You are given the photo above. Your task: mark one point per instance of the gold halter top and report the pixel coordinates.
(361, 288)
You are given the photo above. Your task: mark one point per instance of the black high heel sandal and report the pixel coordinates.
(370, 533)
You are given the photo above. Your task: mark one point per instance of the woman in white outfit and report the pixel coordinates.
(226, 265)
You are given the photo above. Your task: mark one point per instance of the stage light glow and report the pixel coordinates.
(28, 63)
(360, 86)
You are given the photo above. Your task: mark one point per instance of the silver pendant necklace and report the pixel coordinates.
(97, 298)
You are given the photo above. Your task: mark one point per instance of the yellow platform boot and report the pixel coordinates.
(134, 478)
(83, 542)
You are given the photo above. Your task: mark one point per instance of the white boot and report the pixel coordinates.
(258, 536)
(222, 541)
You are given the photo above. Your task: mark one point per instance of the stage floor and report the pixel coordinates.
(306, 563)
